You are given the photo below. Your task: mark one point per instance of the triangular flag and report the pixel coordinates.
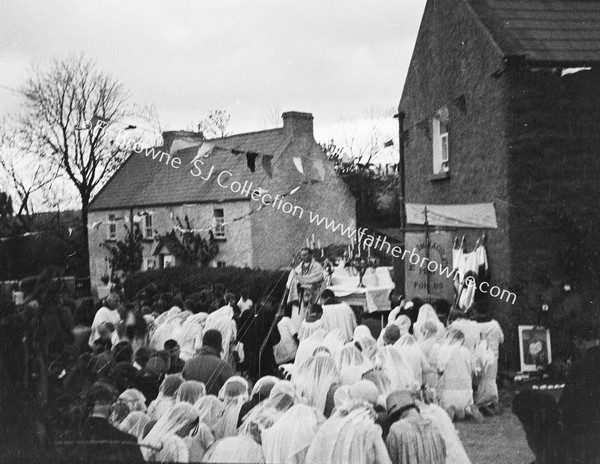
(320, 168)
(266, 164)
(251, 159)
(294, 190)
(204, 151)
(236, 152)
(389, 143)
(95, 120)
(298, 164)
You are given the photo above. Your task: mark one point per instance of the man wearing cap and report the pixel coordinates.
(207, 366)
(412, 439)
(107, 314)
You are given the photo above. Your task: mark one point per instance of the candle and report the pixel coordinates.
(369, 251)
(359, 250)
(319, 243)
(312, 242)
(349, 252)
(307, 244)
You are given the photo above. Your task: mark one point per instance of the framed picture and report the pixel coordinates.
(534, 347)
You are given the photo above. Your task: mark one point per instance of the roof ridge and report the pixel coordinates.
(244, 133)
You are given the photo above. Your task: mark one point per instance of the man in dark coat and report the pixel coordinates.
(207, 366)
(101, 442)
(255, 326)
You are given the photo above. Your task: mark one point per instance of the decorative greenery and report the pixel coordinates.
(127, 255)
(190, 246)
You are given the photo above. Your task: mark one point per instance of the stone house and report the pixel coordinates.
(260, 217)
(502, 105)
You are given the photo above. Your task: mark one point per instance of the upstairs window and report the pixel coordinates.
(148, 226)
(441, 151)
(112, 227)
(219, 223)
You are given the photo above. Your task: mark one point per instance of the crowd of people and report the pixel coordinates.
(216, 377)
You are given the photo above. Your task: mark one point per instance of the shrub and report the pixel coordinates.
(188, 280)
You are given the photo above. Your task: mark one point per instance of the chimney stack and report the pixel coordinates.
(296, 124)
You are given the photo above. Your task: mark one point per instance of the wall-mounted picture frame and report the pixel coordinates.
(535, 348)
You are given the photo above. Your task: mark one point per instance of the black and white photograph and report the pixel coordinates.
(300, 232)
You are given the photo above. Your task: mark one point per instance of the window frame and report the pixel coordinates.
(148, 228)
(441, 143)
(219, 224)
(112, 227)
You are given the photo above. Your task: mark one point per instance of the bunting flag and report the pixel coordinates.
(26, 234)
(95, 120)
(294, 190)
(298, 164)
(236, 152)
(389, 143)
(266, 164)
(71, 229)
(204, 151)
(320, 168)
(251, 159)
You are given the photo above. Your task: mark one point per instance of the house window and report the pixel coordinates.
(221, 264)
(112, 227)
(219, 223)
(441, 153)
(148, 226)
(168, 261)
(149, 263)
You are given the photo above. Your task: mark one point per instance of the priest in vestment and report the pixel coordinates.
(305, 283)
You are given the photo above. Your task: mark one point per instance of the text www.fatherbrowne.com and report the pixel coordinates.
(396, 251)
(277, 202)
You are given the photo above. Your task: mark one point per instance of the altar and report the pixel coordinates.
(371, 298)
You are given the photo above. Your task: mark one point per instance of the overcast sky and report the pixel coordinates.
(334, 59)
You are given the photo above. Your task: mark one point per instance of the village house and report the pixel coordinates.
(255, 192)
(501, 106)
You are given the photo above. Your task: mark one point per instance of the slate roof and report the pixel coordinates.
(551, 31)
(143, 181)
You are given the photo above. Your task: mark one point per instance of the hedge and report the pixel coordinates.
(190, 280)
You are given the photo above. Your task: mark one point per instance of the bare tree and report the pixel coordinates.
(215, 124)
(271, 117)
(71, 110)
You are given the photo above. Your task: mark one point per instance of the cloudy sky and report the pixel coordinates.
(336, 59)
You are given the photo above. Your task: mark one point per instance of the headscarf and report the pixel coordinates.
(189, 391)
(134, 424)
(233, 394)
(352, 364)
(163, 436)
(409, 348)
(364, 390)
(222, 320)
(361, 331)
(341, 396)
(382, 382)
(368, 347)
(166, 396)
(265, 414)
(452, 341)
(210, 410)
(134, 399)
(342, 437)
(263, 386)
(334, 341)
(288, 440)
(396, 367)
(427, 314)
(314, 379)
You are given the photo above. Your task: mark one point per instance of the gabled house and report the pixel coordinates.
(256, 193)
(502, 105)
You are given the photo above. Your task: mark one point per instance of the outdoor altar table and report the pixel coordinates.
(373, 297)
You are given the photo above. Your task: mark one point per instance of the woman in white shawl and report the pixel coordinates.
(166, 396)
(190, 337)
(314, 380)
(233, 394)
(352, 364)
(334, 342)
(288, 440)
(233, 450)
(222, 320)
(307, 347)
(134, 424)
(267, 413)
(349, 436)
(396, 368)
(408, 347)
(455, 451)
(455, 385)
(190, 391)
(427, 314)
(164, 442)
(210, 411)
